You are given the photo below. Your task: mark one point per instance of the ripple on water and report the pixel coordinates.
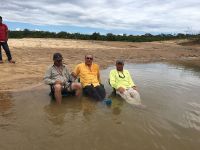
(7, 111)
(192, 116)
(170, 120)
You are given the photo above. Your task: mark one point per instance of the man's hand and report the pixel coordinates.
(135, 88)
(58, 82)
(121, 89)
(74, 75)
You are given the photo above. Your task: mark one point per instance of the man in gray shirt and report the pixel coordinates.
(59, 77)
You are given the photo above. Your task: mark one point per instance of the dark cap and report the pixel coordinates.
(0, 17)
(120, 61)
(57, 56)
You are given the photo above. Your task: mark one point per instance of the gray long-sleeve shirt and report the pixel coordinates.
(52, 74)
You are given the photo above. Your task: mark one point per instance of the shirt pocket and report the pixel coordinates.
(55, 74)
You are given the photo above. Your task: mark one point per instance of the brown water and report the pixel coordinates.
(171, 121)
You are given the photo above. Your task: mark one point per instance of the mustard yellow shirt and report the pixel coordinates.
(88, 75)
(119, 79)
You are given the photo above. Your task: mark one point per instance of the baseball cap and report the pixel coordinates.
(57, 56)
(119, 61)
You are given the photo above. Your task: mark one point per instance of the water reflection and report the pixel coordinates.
(6, 102)
(193, 115)
(84, 109)
(71, 108)
(171, 121)
(187, 66)
(57, 114)
(88, 107)
(7, 114)
(117, 103)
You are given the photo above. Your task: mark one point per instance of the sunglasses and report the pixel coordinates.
(59, 60)
(121, 76)
(89, 58)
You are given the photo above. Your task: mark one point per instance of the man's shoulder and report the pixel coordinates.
(50, 67)
(80, 65)
(4, 25)
(126, 71)
(64, 66)
(95, 65)
(113, 71)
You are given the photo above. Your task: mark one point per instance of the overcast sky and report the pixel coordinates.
(118, 16)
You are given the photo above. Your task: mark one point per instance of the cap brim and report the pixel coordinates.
(119, 62)
(58, 59)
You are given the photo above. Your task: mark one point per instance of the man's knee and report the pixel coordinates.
(100, 91)
(76, 86)
(58, 87)
(100, 88)
(88, 90)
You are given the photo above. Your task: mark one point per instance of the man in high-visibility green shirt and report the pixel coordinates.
(121, 81)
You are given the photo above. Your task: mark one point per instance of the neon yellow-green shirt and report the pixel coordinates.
(121, 79)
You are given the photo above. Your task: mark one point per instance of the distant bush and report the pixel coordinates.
(97, 36)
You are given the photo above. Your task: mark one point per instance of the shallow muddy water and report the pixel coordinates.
(171, 120)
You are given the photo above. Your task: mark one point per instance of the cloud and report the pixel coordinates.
(133, 15)
(36, 29)
(18, 29)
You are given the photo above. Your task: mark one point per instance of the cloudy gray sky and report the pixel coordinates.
(152, 16)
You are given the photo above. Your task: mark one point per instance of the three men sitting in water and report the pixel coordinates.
(88, 73)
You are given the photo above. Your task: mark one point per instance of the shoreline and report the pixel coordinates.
(33, 56)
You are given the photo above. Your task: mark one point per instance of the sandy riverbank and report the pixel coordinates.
(34, 55)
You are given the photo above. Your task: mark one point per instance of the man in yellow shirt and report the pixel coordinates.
(121, 81)
(90, 78)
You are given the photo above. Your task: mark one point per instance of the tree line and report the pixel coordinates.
(97, 36)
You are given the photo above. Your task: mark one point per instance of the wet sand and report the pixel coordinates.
(34, 55)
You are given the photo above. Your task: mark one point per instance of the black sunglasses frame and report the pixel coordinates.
(89, 58)
(121, 76)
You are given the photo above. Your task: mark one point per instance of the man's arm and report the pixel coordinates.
(98, 74)
(114, 83)
(75, 72)
(112, 79)
(74, 75)
(131, 81)
(6, 33)
(47, 77)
